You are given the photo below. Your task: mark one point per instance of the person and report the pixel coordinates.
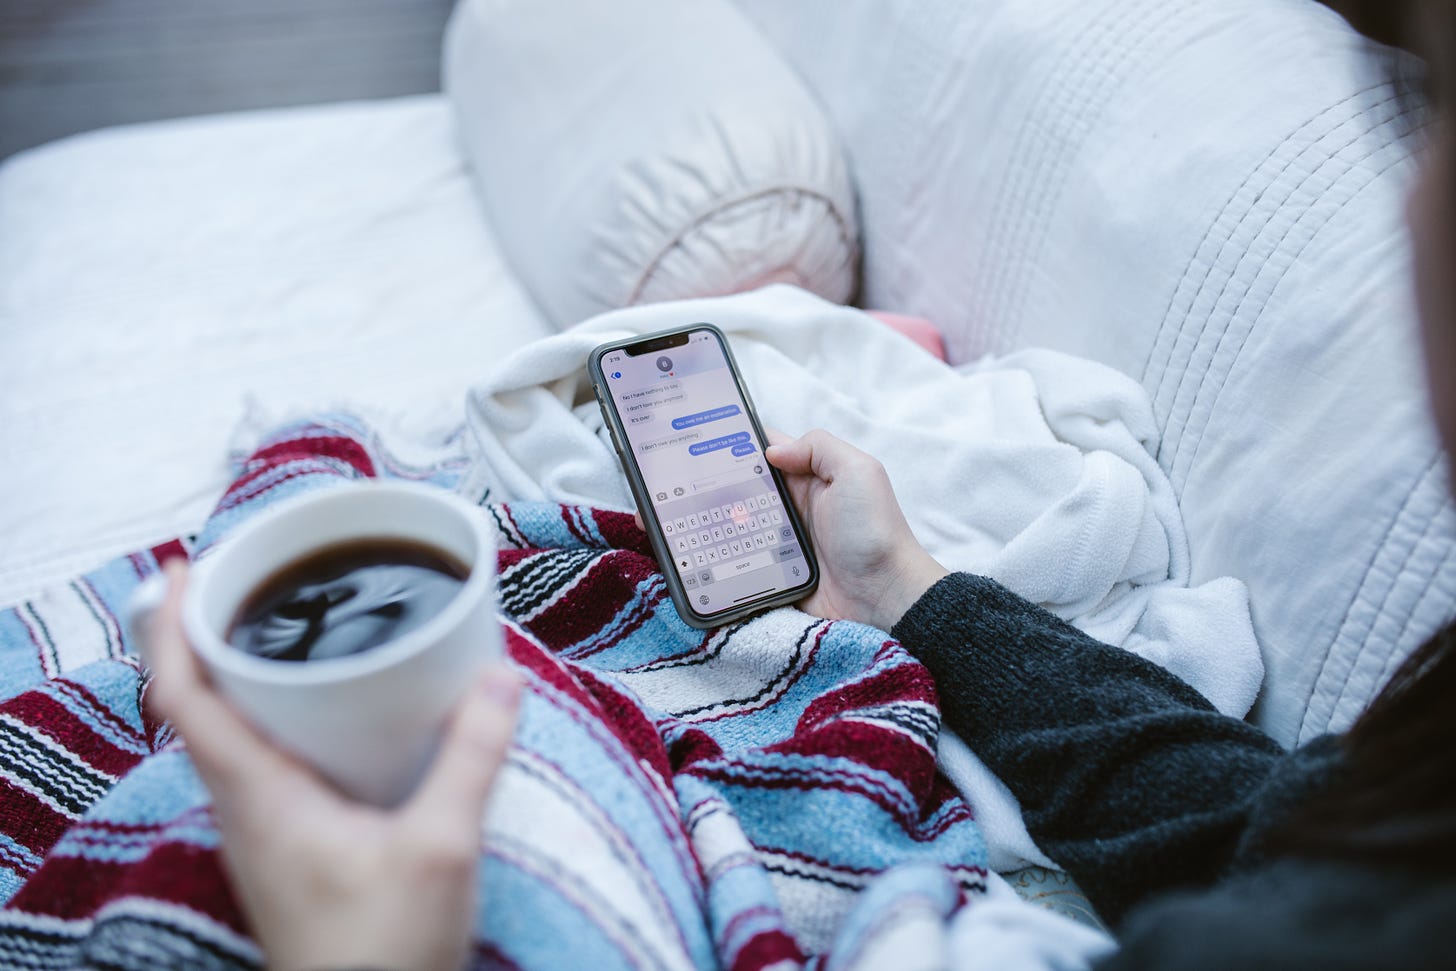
(1197, 837)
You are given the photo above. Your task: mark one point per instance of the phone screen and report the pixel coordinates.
(730, 533)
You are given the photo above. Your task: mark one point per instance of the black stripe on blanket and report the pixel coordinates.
(123, 942)
(534, 581)
(918, 721)
(36, 767)
(771, 687)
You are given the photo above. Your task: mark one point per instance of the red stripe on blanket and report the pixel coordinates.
(881, 749)
(641, 615)
(597, 597)
(767, 950)
(76, 887)
(628, 723)
(30, 820)
(308, 451)
(942, 792)
(511, 525)
(507, 558)
(99, 709)
(340, 447)
(539, 661)
(693, 745)
(816, 778)
(618, 712)
(239, 496)
(909, 683)
(620, 531)
(491, 956)
(49, 718)
(571, 516)
(172, 549)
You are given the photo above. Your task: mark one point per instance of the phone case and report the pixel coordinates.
(655, 535)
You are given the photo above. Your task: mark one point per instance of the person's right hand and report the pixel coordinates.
(871, 567)
(327, 882)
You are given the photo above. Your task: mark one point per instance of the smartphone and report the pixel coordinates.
(717, 514)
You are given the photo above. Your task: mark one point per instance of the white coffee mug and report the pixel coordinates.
(369, 722)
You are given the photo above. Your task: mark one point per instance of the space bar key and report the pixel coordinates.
(740, 567)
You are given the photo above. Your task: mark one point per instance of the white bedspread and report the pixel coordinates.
(1034, 469)
(158, 282)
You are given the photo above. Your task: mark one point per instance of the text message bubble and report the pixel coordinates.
(703, 417)
(747, 448)
(714, 444)
(651, 403)
(653, 393)
(648, 447)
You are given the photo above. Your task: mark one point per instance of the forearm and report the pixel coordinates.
(1127, 776)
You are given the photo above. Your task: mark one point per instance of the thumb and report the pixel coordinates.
(453, 794)
(792, 455)
(820, 454)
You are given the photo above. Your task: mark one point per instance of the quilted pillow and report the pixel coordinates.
(1206, 195)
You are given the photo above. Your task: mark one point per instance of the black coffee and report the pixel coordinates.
(346, 599)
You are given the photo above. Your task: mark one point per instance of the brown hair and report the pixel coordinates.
(1380, 20)
(1425, 28)
(1394, 800)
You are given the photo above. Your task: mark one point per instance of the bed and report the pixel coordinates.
(266, 264)
(1106, 179)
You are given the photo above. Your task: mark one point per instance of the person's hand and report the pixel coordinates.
(326, 882)
(871, 567)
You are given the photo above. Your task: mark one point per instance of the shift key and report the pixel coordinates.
(739, 567)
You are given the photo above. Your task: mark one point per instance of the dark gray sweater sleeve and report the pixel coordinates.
(1127, 777)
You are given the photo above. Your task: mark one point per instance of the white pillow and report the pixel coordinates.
(1205, 195)
(646, 150)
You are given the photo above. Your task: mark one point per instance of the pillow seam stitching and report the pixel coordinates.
(846, 238)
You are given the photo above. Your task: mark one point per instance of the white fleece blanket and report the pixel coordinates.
(1034, 469)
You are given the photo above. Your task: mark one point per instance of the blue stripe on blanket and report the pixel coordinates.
(581, 770)
(648, 592)
(16, 863)
(676, 798)
(555, 923)
(103, 698)
(854, 828)
(20, 652)
(906, 895)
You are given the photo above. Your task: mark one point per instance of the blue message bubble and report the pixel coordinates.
(745, 449)
(703, 417)
(713, 444)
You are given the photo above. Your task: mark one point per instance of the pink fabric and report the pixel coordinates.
(918, 329)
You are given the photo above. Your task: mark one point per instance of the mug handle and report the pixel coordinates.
(141, 606)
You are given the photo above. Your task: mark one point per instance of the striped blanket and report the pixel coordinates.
(761, 795)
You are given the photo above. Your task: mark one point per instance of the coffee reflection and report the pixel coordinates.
(346, 599)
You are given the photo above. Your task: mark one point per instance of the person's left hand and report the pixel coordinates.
(871, 567)
(326, 882)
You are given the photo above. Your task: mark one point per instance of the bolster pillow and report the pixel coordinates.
(646, 150)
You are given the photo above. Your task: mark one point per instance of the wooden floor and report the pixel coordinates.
(72, 65)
